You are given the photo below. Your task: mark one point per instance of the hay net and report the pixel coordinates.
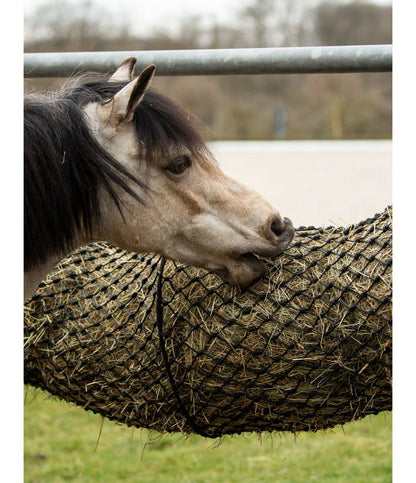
(156, 344)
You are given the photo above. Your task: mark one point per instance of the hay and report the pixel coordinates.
(173, 348)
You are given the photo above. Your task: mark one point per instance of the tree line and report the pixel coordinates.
(311, 106)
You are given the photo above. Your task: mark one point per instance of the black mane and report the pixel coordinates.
(160, 122)
(65, 166)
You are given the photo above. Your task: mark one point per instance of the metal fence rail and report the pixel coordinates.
(281, 60)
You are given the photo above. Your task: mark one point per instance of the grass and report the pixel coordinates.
(64, 443)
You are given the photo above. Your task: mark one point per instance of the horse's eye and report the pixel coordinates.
(179, 165)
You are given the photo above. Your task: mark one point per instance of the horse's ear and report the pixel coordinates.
(125, 71)
(124, 103)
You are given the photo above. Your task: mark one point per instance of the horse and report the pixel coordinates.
(112, 159)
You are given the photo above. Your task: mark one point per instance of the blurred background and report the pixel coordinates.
(243, 107)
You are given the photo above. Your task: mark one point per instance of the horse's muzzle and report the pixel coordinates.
(279, 231)
(285, 236)
(247, 266)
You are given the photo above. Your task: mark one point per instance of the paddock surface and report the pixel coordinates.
(314, 182)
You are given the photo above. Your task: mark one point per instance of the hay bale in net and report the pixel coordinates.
(170, 347)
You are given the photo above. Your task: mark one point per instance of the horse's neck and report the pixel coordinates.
(34, 277)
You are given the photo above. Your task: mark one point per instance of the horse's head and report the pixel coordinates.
(191, 212)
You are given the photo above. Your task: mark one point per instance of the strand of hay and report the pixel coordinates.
(172, 348)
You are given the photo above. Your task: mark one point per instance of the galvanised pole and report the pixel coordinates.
(281, 60)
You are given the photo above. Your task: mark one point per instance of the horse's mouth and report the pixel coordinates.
(246, 267)
(242, 269)
(256, 266)
(250, 259)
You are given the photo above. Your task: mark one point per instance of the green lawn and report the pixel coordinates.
(65, 443)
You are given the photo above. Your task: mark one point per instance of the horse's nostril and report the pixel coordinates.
(277, 226)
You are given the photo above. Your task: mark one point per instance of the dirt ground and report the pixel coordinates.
(314, 182)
